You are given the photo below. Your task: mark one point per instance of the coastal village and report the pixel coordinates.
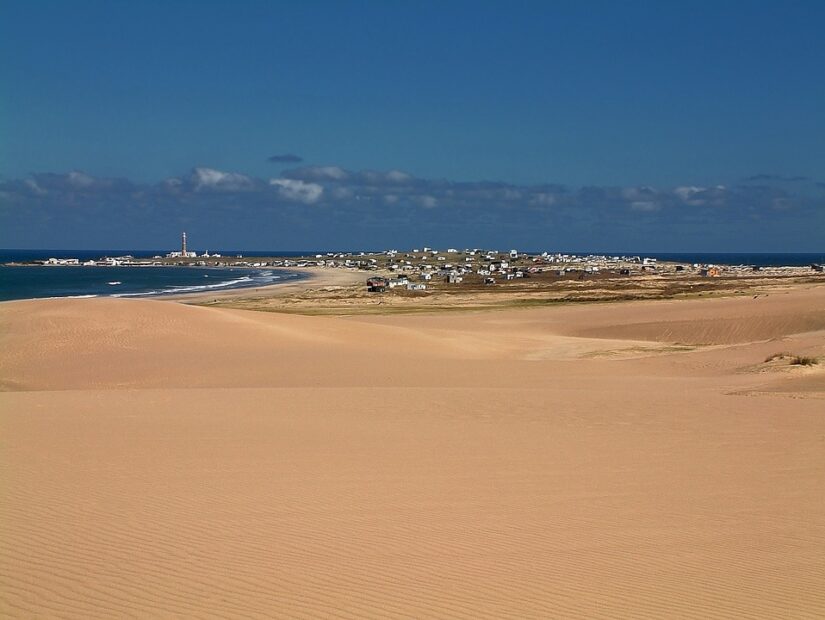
(417, 268)
(424, 268)
(428, 278)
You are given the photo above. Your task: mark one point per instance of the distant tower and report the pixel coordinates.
(183, 244)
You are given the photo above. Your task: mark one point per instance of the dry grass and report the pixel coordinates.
(802, 360)
(793, 360)
(472, 295)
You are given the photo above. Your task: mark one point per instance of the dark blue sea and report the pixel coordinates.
(30, 282)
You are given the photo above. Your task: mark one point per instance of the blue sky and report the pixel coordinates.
(646, 126)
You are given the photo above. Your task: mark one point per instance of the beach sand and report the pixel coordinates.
(312, 278)
(637, 459)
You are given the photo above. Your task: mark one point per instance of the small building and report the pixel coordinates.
(376, 285)
(400, 281)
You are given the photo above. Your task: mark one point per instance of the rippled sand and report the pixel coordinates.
(599, 461)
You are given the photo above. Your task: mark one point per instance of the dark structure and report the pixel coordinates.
(377, 285)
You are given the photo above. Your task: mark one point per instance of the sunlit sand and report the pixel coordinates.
(634, 459)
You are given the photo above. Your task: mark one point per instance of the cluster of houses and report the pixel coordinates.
(416, 269)
(379, 284)
(452, 266)
(432, 265)
(106, 261)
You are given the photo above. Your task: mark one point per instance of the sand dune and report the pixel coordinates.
(729, 321)
(167, 460)
(695, 321)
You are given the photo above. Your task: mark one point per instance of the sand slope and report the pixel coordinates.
(165, 460)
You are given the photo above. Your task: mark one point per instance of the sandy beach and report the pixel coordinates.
(311, 279)
(635, 459)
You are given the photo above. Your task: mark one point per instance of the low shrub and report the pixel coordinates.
(793, 360)
(802, 360)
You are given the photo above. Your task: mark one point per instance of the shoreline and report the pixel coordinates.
(431, 280)
(319, 291)
(308, 278)
(311, 278)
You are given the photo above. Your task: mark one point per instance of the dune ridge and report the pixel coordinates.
(166, 460)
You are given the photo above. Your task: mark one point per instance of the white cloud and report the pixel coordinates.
(637, 193)
(318, 173)
(686, 192)
(172, 183)
(34, 187)
(358, 192)
(375, 177)
(397, 176)
(80, 179)
(331, 172)
(428, 202)
(511, 194)
(544, 199)
(691, 195)
(209, 178)
(300, 191)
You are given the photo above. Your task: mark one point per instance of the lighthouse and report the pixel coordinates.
(184, 253)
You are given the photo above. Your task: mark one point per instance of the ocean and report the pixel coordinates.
(36, 282)
(31, 282)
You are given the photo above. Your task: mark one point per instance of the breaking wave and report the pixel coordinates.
(255, 279)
